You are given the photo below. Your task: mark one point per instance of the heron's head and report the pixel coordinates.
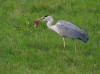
(44, 18)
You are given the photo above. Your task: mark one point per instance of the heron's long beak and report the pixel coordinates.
(36, 22)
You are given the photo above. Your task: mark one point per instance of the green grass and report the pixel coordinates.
(28, 50)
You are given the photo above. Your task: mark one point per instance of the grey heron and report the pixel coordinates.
(64, 29)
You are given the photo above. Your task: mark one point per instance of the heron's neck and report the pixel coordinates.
(50, 23)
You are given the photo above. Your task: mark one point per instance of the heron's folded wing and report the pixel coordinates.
(67, 25)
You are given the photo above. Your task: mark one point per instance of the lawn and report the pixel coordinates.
(28, 50)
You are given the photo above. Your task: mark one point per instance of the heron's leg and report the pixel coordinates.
(74, 45)
(64, 42)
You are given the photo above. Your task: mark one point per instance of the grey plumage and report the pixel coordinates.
(67, 29)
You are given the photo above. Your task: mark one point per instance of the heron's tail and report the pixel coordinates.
(84, 37)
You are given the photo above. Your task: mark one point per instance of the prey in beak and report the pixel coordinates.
(36, 22)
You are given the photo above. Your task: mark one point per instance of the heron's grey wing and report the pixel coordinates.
(70, 30)
(68, 25)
